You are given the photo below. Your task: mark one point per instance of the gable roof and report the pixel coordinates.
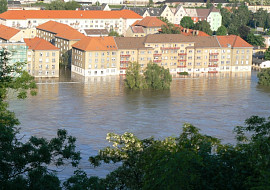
(66, 14)
(232, 41)
(96, 31)
(7, 32)
(61, 30)
(137, 29)
(96, 44)
(130, 42)
(39, 44)
(150, 22)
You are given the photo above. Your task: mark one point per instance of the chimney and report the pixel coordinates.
(187, 30)
(197, 32)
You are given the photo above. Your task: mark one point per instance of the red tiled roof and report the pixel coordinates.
(150, 22)
(39, 44)
(7, 32)
(61, 30)
(62, 14)
(96, 44)
(233, 41)
(137, 29)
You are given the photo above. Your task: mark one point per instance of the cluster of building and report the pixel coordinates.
(101, 56)
(47, 38)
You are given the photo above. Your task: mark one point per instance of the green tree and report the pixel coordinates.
(187, 22)
(169, 28)
(134, 80)
(72, 5)
(3, 6)
(226, 17)
(267, 54)
(56, 5)
(191, 160)
(209, 4)
(113, 33)
(203, 26)
(264, 77)
(221, 31)
(255, 40)
(23, 163)
(157, 77)
(244, 31)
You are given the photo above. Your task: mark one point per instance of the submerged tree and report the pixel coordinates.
(154, 77)
(264, 77)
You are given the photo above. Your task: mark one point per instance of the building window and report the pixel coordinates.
(40, 54)
(53, 60)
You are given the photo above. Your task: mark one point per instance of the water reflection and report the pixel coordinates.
(90, 108)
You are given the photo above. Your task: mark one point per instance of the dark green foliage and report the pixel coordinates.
(113, 33)
(157, 77)
(226, 17)
(255, 40)
(243, 32)
(267, 54)
(203, 26)
(61, 5)
(222, 31)
(191, 160)
(264, 77)
(187, 22)
(183, 73)
(3, 6)
(154, 77)
(169, 28)
(23, 163)
(134, 80)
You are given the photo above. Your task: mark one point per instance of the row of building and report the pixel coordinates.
(117, 20)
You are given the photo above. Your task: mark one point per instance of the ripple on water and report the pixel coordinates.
(91, 109)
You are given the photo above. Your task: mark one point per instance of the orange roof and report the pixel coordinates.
(7, 32)
(39, 44)
(150, 21)
(233, 41)
(61, 30)
(66, 14)
(96, 44)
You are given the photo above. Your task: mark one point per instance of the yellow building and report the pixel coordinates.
(42, 58)
(95, 56)
(177, 52)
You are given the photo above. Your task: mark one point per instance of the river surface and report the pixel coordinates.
(91, 108)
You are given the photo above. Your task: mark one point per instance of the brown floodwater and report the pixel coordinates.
(91, 108)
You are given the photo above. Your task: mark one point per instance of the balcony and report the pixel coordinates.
(125, 55)
(213, 60)
(123, 68)
(212, 71)
(182, 60)
(212, 65)
(157, 61)
(182, 53)
(181, 66)
(213, 53)
(169, 48)
(157, 54)
(124, 61)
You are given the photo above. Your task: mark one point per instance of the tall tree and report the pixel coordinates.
(226, 17)
(24, 163)
(244, 31)
(72, 5)
(267, 54)
(3, 6)
(264, 77)
(113, 33)
(222, 31)
(187, 22)
(134, 80)
(256, 40)
(157, 77)
(203, 26)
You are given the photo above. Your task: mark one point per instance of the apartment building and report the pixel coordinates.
(95, 56)
(9, 34)
(42, 58)
(80, 20)
(177, 52)
(148, 25)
